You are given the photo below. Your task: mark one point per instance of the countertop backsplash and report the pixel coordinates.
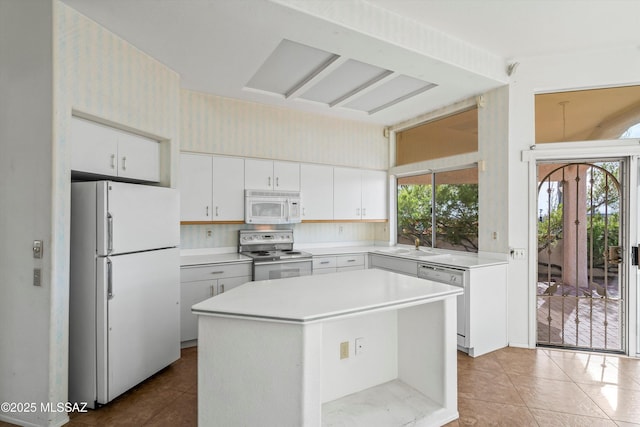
(226, 235)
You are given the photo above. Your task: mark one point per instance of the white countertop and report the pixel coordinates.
(189, 257)
(322, 297)
(340, 250)
(446, 259)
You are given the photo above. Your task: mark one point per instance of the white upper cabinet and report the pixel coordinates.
(316, 186)
(359, 194)
(93, 148)
(196, 187)
(228, 189)
(258, 174)
(271, 175)
(374, 195)
(211, 188)
(138, 158)
(347, 184)
(286, 176)
(103, 150)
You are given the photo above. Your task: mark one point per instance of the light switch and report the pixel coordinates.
(37, 249)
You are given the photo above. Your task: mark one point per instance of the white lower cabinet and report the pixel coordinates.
(338, 263)
(198, 283)
(324, 265)
(482, 309)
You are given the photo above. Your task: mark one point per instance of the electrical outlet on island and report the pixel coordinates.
(344, 350)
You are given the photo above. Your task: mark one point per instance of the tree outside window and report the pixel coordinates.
(452, 206)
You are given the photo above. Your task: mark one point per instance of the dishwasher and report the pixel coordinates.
(450, 276)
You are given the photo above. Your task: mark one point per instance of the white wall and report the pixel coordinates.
(56, 61)
(614, 67)
(30, 351)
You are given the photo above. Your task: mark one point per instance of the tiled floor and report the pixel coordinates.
(509, 387)
(543, 387)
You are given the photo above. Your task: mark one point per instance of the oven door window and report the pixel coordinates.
(282, 270)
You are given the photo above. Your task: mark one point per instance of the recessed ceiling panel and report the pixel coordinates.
(289, 66)
(346, 80)
(389, 93)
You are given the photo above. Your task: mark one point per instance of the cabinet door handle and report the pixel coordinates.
(324, 262)
(207, 211)
(222, 288)
(211, 290)
(364, 211)
(124, 163)
(217, 272)
(269, 182)
(277, 181)
(357, 211)
(217, 211)
(351, 260)
(113, 161)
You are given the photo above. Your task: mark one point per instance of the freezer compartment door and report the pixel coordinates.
(140, 296)
(136, 217)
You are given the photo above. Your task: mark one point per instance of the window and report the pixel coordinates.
(447, 199)
(588, 115)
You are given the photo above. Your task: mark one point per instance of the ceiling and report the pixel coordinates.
(377, 61)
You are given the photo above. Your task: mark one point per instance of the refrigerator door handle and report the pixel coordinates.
(109, 280)
(109, 233)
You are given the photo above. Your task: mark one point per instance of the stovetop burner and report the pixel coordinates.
(260, 253)
(268, 245)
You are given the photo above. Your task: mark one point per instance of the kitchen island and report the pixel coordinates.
(367, 347)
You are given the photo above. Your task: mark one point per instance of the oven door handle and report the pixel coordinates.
(283, 261)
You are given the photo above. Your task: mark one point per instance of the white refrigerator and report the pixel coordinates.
(124, 314)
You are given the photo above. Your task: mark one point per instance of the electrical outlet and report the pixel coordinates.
(209, 233)
(344, 350)
(340, 229)
(359, 347)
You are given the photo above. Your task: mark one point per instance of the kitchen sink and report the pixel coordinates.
(413, 253)
(395, 251)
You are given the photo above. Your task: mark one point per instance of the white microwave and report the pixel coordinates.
(272, 207)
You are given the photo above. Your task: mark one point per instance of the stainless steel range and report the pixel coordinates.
(273, 254)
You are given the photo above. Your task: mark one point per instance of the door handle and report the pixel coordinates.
(124, 163)
(109, 233)
(109, 280)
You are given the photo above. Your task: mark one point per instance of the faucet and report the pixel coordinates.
(417, 244)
